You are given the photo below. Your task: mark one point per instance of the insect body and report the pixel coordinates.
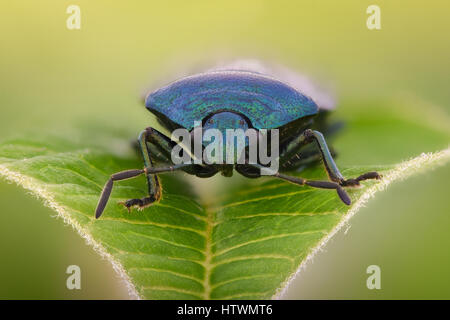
(233, 100)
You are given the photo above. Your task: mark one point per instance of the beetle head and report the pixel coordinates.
(226, 120)
(223, 122)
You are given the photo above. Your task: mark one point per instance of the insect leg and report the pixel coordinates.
(106, 192)
(318, 184)
(253, 170)
(128, 174)
(332, 170)
(164, 145)
(330, 166)
(302, 159)
(309, 136)
(291, 157)
(154, 186)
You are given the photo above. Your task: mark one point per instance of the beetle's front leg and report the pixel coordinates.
(128, 174)
(254, 171)
(309, 136)
(332, 170)
(154, 185)
(164, 145)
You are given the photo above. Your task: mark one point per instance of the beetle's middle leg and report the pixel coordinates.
(302, 159)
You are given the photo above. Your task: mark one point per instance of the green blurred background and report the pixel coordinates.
(52, 78)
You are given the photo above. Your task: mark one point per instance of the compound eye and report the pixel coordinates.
(210, 121)
(241, 122)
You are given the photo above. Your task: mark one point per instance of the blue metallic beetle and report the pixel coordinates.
(234, 99)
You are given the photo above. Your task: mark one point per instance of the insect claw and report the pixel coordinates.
(124, 203)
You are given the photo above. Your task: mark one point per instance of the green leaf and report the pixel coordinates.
(248, 243)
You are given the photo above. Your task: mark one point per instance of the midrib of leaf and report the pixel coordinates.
(208, 253)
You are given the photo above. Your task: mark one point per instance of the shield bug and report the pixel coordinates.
(234, 99)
